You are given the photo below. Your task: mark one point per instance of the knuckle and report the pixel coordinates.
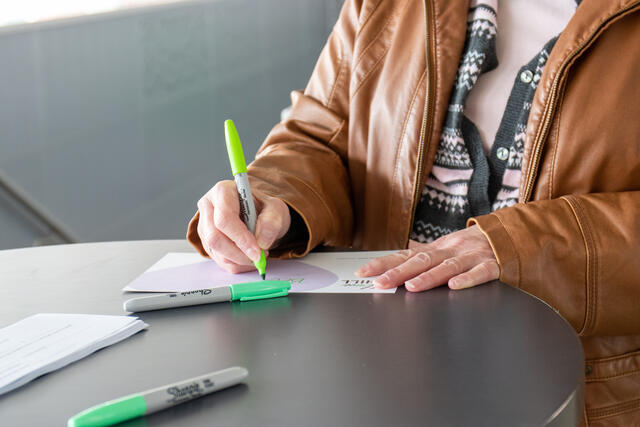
(411, 252)
(222, 220)
(280, 206)
(456, 241)
(454, 263)
(452, 239)
(366, 268)
(222, 187)
(392, 274)
(484, 269)
(242, 241)
(422, 257)
(219, 186)
(279, 220)
(490, 270)
(373, 263)
(213, 240)
(424, 278)
(266, 200)
(442, 240)
(228, 186)
(269, 220)
(403, 255)
(201, 203)
(268, 231)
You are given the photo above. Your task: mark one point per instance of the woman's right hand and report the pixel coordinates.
(225, 237)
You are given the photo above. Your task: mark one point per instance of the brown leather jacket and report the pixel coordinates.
(355, 153)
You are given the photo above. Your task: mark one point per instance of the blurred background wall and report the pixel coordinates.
(111, 124)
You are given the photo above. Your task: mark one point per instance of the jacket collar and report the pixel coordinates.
(591, 18)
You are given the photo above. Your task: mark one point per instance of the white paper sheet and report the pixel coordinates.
(48, 341)
(323, 272)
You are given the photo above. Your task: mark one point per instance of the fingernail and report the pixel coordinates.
(263, 241)
(458, 284)
(360, 272)
(410, 285)
(380, 283)
(254, 254)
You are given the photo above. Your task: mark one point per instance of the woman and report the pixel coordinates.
(412, 126)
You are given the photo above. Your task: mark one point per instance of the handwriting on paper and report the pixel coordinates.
(357, 283)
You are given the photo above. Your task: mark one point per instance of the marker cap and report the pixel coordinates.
(234, 148)
(260, 290)
(111, 412)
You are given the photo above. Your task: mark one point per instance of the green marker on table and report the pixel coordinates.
(239, 292)
(157, 399)
(239, 170)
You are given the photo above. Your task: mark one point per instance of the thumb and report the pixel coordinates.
(273, 222)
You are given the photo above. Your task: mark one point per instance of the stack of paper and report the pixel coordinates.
(45, 342)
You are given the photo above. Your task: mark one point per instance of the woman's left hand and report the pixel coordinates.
(461, 259)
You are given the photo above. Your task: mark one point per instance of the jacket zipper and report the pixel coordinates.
(427, 115)
(549, 112)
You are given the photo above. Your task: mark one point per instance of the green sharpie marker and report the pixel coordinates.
(157, 399)
(238, 292)
(239, 170)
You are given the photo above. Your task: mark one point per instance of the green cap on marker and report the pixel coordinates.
(112, 412)
(260, 290)
(154, 400)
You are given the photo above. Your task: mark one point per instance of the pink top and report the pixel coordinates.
(524, 26)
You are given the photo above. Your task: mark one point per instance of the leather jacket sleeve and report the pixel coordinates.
(578, 253)
(302, 161)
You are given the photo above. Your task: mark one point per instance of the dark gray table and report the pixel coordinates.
(490, 356)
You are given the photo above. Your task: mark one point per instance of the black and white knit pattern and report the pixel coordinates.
(444, 202)
(464, 181)
(504, 181)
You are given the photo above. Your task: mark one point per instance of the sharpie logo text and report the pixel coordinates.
(186, 392)
(186, 294)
